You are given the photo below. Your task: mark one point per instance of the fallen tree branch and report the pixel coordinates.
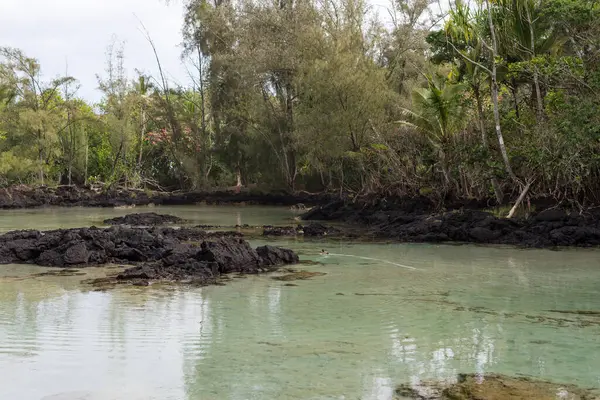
(513, 210)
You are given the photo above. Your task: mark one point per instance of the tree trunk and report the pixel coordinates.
(484, 142)
(519, 200)
(41, 161)
(342, 179)
(291, 159)
(40, 155)
(87, 150)
(498, 127)
(201, 83)
(497, 191)
(238, 175)
(514, 91)
(117, 156)
(445, 172)
(536, 81)
(293, 172)
(71, 144)
(495, 96)
(142, 132)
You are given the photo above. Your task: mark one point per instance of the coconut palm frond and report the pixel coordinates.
(437, 111)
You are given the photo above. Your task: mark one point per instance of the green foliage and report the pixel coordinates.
(14, 168)
(438, 110)
(308, 95)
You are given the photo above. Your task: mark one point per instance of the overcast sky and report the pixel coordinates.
(77, 32)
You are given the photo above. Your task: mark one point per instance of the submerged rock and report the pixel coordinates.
(579, 312)
(298, 275)
(144, 219)
(493, 387)
(61, 272)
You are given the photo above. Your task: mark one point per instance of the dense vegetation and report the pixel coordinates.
(489, 100)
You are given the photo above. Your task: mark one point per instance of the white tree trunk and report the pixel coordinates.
(495, 96)
(519, 200)
(536, 80)
(495, 184)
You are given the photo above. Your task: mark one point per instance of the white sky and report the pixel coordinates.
(79, 31)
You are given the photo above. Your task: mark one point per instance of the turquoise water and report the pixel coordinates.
(383, 314)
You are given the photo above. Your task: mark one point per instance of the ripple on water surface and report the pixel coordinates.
(356, 332)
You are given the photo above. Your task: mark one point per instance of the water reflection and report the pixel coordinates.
(356, 332)
(74, 217)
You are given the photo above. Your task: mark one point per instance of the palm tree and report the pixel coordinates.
(475, 30)
(462, 27)
(438, 113)
(523, 35)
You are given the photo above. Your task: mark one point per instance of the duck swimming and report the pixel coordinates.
(323, 252)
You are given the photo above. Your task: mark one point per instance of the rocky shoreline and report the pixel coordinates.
(182, 255)
(414, 221)
(404, 220)
(23, 196)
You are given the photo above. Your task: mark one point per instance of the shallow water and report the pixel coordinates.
(74, 217)
(384, 314)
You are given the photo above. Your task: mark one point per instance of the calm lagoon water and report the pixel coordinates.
(382, 315)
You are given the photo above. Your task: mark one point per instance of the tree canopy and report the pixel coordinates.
(490, 100)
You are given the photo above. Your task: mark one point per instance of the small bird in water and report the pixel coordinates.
(323, 252)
